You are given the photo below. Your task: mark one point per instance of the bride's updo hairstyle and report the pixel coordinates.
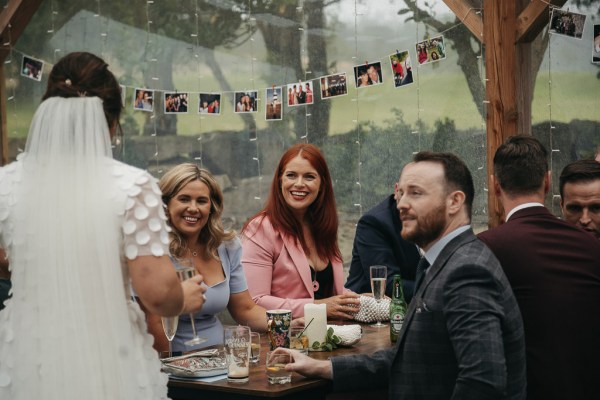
(82, 74)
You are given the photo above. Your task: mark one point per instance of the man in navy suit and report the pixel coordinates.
(554, 270)
(378, 242)
(462, 337)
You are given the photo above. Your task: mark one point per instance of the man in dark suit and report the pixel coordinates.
(462, 337)
(554, 270)
(579, 185)
(378, 242)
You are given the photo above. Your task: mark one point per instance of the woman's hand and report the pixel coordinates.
(193, 294)
(342, 306)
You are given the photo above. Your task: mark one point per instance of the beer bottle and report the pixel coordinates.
(397, 308)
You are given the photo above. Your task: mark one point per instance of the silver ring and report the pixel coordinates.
(204, 297)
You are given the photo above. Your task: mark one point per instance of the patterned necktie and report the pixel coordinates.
(421, 268)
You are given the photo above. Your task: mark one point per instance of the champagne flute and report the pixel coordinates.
(185, 270)
(378, 281)
(169, 325)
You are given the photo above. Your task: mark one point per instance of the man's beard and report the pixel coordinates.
(428, 228)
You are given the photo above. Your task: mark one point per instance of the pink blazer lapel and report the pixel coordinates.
(300, 261)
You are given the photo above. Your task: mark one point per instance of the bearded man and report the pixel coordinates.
(462, 337)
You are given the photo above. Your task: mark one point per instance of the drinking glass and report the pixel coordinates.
(185, 270)
(378, 280)
(275, 367)
(169, 325)
(254, 347)
(299, 340)
(237, 347)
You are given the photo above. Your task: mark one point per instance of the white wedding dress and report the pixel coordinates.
(69, 215)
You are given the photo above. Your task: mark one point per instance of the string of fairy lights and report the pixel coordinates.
(196, 35)
(358, 203)
(152, 64)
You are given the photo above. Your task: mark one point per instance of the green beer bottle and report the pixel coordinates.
(397, 308)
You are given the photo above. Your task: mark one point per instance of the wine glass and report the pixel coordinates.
(169, 325)
(185, 270)
(378, 281)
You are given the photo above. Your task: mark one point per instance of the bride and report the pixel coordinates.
(80, 229)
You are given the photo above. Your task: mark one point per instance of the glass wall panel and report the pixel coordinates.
(227, 49)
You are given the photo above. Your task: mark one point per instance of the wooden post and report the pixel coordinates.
(501, 88)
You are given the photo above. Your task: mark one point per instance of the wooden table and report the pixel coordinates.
(258, 387)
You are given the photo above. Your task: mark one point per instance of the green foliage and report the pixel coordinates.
(331, 342)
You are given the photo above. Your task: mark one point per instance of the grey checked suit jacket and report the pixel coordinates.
(462, 337)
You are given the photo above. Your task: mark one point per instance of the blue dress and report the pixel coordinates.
(217, 297)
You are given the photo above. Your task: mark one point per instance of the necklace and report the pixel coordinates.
(315, 283)
(194, 253)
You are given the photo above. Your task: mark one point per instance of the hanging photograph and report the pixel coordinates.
(209, 103)
(567, 23)
(596, 45)
(245, 102)
(368, 74)
(143, 100)
(32, 68)
(123, 90)
(401, 68)
(431, 50)
(300, 93)
(333, 86)
(273, 107)
(176, 103)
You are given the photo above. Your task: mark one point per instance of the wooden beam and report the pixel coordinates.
(468, 15)
(533, 19)
(13, 20)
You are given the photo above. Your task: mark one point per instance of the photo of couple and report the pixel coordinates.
(245, 102)
(368, 74)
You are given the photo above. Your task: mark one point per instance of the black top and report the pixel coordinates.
(324, 279)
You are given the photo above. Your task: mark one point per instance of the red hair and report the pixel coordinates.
(321, 214)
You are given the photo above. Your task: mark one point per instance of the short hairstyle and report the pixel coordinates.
(579, 171)
(322, 213)
(520, 165)
(84, 74)
(213, 233)
(456, 174)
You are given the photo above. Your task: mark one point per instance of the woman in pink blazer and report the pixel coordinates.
(290, 251)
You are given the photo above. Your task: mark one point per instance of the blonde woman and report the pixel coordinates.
(194, 204)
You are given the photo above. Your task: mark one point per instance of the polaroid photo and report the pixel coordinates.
(333, 86)
(176, 103)
(32, 68)
(300, 93)
(245, 102)
(273, 107)
(401, 68)
(143, 100)
(431, 50)
(123, 90)
(596, 45)
(567, 23)
(209, 103)
(368, 74)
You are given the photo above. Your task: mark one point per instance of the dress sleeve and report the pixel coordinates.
(145, 231)
(237, 278)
